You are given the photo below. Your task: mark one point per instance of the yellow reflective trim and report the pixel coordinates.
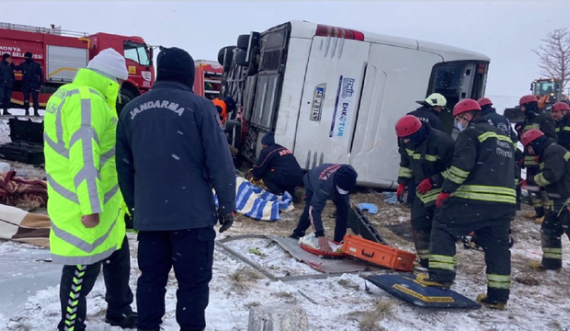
(487, 189)
(458, 172)
(443, 266)
(552, 250)
(566, 128)
(553, 256)
(484, 197)
(443, 258)
(430, 196)
(557, 130)
(488, 135)
(540, 180)
(417, 156)
(405, 172)
(567, 156)
(531, 126)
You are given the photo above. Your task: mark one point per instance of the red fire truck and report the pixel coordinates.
(61, 53)
(208, 79)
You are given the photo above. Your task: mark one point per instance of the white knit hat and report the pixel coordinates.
(111, 63)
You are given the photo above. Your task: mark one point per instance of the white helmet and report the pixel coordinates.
(434, 100)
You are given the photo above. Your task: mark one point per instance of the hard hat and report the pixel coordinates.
(530, 136)
(434, 100)
(527, 99)
(464, 106)
(485, 102)
(560, 106)
(407, 126)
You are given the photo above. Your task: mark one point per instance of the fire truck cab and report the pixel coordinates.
(334, 95)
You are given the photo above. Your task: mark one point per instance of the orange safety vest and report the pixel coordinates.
(224, 114)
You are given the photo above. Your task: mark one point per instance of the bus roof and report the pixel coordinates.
(307, 30)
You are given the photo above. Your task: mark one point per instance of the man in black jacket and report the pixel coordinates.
(171, 152)
(32, 80)
(6, 82)
(478, 195)
(425, 156)
(560, 116)
(326, 182)
(554, 177)
(277, 167)
(499, 121)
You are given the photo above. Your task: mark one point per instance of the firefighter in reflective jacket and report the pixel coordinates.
(425, 155)
(560, 115)
(554, 176)
(535, 119)
(478, 195)
(85, 204)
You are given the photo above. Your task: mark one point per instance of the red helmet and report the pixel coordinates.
(527, 99)
(530, 136)
(560, 106)
(407, 125)
(464, 106)
(485, 102)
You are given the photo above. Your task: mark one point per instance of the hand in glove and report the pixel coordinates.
(226, 220)
(400, 191)
(441, 198)
(424, 186)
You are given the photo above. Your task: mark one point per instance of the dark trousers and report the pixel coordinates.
(277, 185)
(537, 199)
(491, 224)
(5, 98)
(77, 282)
(305, 220)
(191, 253)
(422, 218)
(411, 191)
(35, 98)
(556, 223)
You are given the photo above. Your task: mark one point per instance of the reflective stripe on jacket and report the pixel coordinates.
(554, 173)
(79, 134)
(483, 166)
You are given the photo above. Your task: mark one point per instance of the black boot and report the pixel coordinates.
(6, 112)
(126, 322)
(27, 112)
(36, 113)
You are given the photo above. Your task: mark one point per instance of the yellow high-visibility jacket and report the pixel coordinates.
(79, 148)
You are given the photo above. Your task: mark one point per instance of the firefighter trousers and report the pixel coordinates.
(556, 223)
(191, 253)
(491, 224)
(35, 98)
(537, 199)
(422, 218)
(77, 281)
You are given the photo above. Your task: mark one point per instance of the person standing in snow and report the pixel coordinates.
(277, 167)
(7, 79)
(554, 176)
(326, 182)
(32, 80)
(477, 195)
(425, 156)
(172, 151)
(84, 204)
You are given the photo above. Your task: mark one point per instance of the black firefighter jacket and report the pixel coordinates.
(171, 152)
(563, 132)
(554, 174)
(500, 122)
(544, 123)
(320, 181)
(483, 166)
(429, 160)
(32, 75)
(427, 115)
(277, 159)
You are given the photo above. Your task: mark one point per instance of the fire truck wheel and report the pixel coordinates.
(240, 58)
(243, 41)
(229, 55)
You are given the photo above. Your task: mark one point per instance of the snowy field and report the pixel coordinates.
(539, 300)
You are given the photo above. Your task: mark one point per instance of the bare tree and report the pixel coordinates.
(554, 55)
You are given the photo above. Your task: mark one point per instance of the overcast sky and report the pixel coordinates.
(505, 31)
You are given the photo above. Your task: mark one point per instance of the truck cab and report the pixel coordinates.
(333, 95)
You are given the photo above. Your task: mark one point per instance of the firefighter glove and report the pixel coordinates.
(226, 220)
(400, 191)
(441, 198)
(425, 186)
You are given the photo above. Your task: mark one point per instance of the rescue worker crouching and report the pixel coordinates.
(478, 195)
(326, 182)
(535, 119)
(425, 156)
(560, 116)
(554, 176)
(277, 167)
(85, 204)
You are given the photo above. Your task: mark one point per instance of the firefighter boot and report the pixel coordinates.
(419, 268)
(126, 322)
(538, 266)
(36, 112)
(6, 112)
(426, 281)
(482, 299)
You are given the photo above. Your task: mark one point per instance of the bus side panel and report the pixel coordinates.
(292, 89)
(330, 101)
(395, 79)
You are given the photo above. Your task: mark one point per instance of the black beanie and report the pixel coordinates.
(230, 104)
(28, 55)
(345, 178)
(268, 139)
(5, 56)
(175, 64)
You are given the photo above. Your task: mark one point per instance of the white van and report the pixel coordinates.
(333, 95)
